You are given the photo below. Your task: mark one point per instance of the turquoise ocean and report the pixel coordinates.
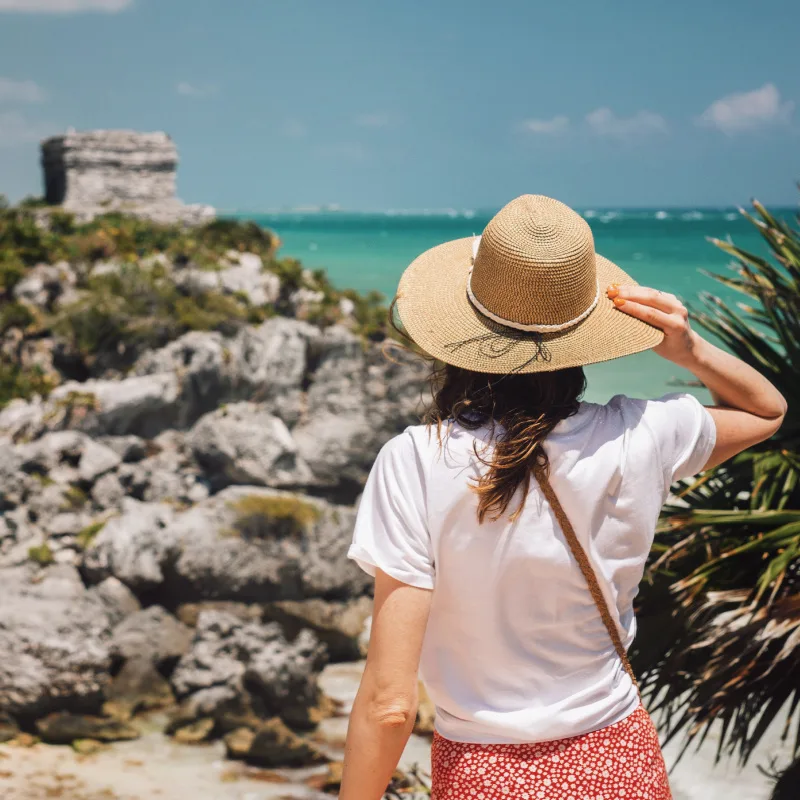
(667, 249)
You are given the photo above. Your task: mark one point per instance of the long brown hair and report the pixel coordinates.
(521, 410)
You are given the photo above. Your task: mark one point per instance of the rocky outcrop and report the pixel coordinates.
(245, 543)
(96, 172)
(244, 444)
(241, 674)
(54, 636)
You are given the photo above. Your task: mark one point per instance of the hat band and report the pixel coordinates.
(509, 323)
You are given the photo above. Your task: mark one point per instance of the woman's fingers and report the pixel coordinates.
(668, 323)
(663, 301)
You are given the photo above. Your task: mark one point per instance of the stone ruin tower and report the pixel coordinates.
(95, 172)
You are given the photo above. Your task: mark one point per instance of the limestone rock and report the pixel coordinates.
(117, 599)
(196, 732)
(245, 276)
(272, 745)
(97, 459)
(339, 626)
(189, 613)
(153, 634)
(108, 492)
(356, 402)
(243, 444)
(53, 636)
(138, 686)
(64, 728)
(133, 547)
(257, 545)
(141, 405)
(267, 364)
(129, 448)
(249, 659)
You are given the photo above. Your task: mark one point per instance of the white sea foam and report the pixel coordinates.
(661, 215)
(692, 215)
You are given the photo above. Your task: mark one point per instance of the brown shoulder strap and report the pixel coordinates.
(588, 573)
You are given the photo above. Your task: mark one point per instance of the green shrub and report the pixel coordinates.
(87, 535)
(15, 315)
(12, 271)
(75, 498)
(278, 516)
(16, 381)
(41, 554)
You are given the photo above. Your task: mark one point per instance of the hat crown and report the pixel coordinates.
(535, 264)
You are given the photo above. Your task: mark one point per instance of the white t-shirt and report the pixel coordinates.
(515, 649)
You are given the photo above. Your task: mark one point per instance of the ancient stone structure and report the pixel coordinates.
(94, 172)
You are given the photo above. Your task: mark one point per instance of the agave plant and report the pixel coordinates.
(721, 608)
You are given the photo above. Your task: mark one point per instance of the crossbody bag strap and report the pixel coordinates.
(588, 573)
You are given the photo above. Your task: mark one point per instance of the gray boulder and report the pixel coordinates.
(247, 544)
(52, 450)
(97, 460)
(251, 661)
(245, 276)
(53, 636)
(14, 483)
(356, 402)
(129, 448)
(133, 547)
(141, 405)
(257, 545)
(244, 444)
(267, 364)
(117, 599)
(22, 418)
(108, 493)
(152, 634)
(204, 364)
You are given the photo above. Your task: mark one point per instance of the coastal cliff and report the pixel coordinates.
(187, 423)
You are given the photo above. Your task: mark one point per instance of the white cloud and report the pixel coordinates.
(555, 125)
(193, 90)
(604, 122)
(747, 110)
(12, 91)
(294, 129)
(16, 129)
(374, 120)
(63, 6)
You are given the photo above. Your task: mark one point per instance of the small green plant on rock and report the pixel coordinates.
(75, 498)
(277, 516)
(87, 535)
(41, 554)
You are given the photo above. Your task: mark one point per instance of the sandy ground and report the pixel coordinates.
(155, 767)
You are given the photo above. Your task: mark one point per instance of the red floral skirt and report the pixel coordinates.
(620, 761)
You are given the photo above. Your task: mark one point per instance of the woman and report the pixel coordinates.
(508, 536)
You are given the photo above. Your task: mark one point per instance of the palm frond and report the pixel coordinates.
(719, 637)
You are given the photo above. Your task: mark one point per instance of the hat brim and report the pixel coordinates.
(435, 311)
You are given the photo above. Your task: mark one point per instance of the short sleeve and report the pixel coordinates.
(391, 532)
(684, 432)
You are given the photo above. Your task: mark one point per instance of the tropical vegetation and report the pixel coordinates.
(720, 613)
(126, 299)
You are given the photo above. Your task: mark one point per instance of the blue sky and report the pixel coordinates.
(375, 104)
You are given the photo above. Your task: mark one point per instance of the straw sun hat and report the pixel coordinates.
(526, 296)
